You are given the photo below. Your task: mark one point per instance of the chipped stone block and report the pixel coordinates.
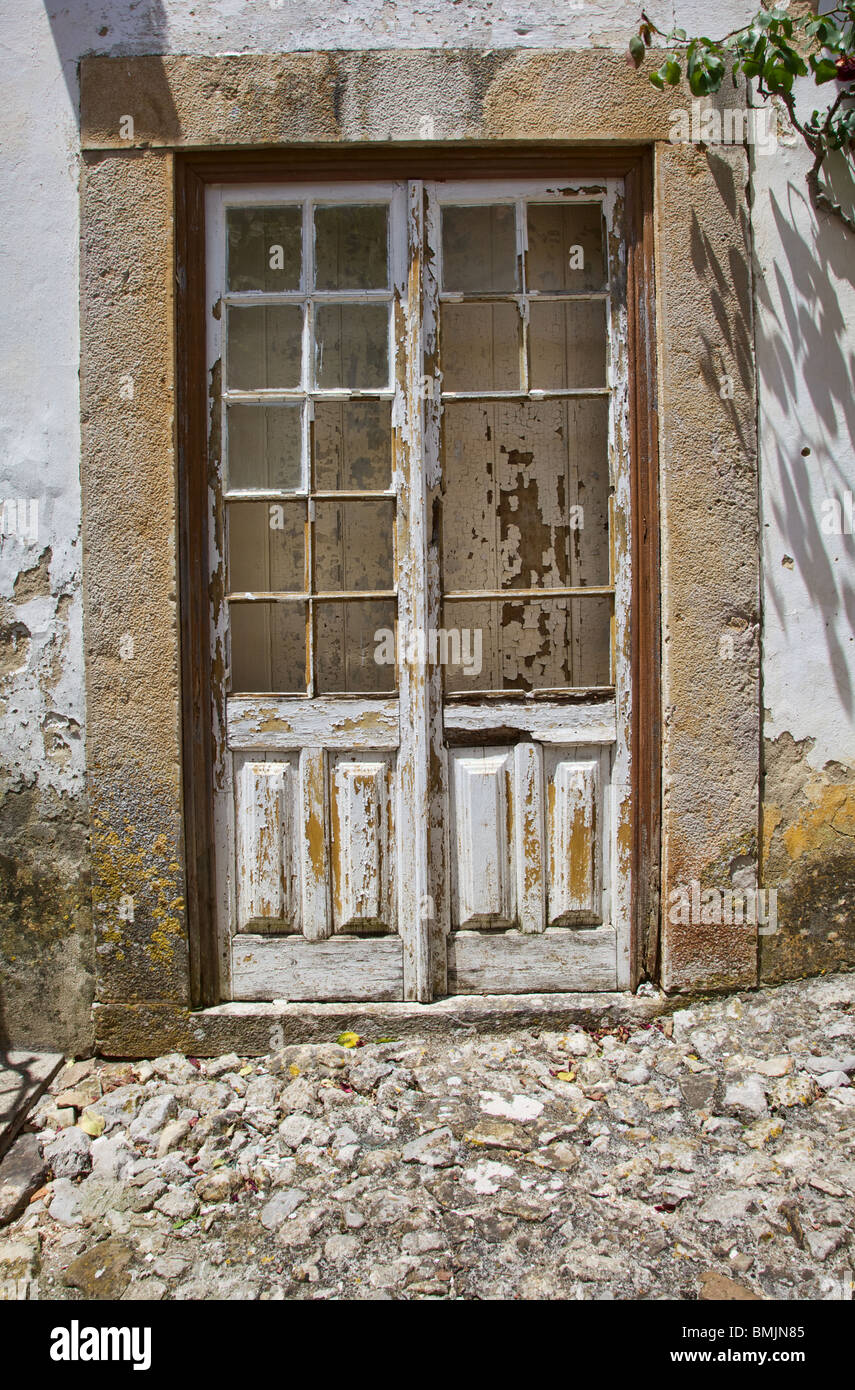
(102, 1272)
(745, 1100)
(69, 1154)
(22, 1172)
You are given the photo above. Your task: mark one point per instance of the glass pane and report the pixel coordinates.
(355, 647)
(568, 344)
(264, 347)
(530, 645)
(588, 491)
(565, 247)
(264, 446)
(352, 346)
(354, 545)
(351, 248)
(525, 494)
(479, 250)
(267, 547)
(480, 347)
(265, 246)
(268, 648)
(352, 445)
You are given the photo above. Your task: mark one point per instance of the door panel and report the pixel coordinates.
(362, 798)
(527, 830)
(267, 868)
(483, 836)
(515, 963)
(343, 968)
(574, 836)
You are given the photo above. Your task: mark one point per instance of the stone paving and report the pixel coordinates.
(708, 1154)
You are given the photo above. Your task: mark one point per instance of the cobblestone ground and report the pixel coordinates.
(707, 1154)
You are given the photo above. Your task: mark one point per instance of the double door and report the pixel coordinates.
(419, 565)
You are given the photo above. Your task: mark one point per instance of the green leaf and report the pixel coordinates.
(776, 76)
(671, 71)
(825, 31)
(746, 41)
(636, 50)
(824, 70)
(792, 61)
(716, 68)
(705, 71)
(657, 80)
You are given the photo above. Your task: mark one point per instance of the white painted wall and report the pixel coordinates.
(805, 337)
(805, 333)
(42, 705)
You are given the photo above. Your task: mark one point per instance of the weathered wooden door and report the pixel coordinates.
(533, 585)
(419, 542)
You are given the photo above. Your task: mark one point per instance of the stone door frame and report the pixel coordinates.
(195, 120)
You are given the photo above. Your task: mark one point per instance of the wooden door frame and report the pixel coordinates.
(193, 172)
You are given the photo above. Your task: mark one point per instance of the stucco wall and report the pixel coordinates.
(45, 909)
(803, 300)
(806, 384)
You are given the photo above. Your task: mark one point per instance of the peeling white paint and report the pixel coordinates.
(41, 700)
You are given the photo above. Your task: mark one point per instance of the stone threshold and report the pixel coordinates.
(253, 1029)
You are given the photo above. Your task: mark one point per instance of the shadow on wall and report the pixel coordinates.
(724, 282)
(799, 348)
(115, 28)
(807, 381)
(16, 1084)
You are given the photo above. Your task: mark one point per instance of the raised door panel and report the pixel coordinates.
(266, 862)
(574, 838)
(483, 839)
(362, 844)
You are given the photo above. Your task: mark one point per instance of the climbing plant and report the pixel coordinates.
(773, 49)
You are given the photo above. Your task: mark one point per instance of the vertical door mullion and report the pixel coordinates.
(621, 827)
(439, 856)
(415, 914)
(522, 263)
